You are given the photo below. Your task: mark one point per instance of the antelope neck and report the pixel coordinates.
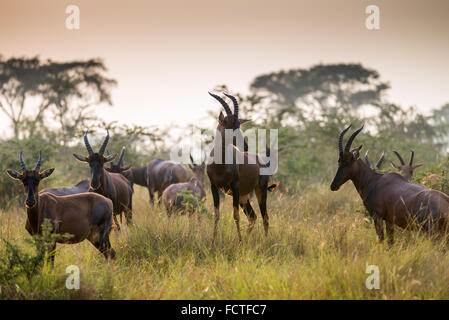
(364, 179)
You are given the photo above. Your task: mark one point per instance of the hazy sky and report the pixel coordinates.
(166, 55)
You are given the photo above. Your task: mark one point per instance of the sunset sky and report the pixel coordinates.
(166, 55)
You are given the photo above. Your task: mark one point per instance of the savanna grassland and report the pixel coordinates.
(319, 246)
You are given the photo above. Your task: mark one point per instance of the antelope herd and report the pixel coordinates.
(88, 209)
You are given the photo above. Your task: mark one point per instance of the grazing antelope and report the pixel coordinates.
(171, 197)
(111, 185)
(80, 187)
(83, 215)
(406, 170)
(379, 162)
(162, 173)
(390, 197)
(238, 180)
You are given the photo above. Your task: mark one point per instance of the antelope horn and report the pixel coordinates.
(39, 162)
(352, 137)
(340, 139)
(191, 159)
(86, 142)
(107, 151)
(223, 103)
(366, 159)
(22, 164)
(381, 159)
(122, 154)
(105, 143)
(399, 157)
(236, 105)
(411, 158)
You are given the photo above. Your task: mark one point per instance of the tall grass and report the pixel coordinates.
(319, 246)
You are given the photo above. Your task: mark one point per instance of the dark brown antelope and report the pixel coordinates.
(173, 199)
(238, 180)
(83, 215)
(406, 170)
(390, 197)
(379, 163)
(111, 185)
(162, 173)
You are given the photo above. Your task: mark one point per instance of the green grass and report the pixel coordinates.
(318, 247)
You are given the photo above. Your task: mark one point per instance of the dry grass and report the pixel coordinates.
(318, 248)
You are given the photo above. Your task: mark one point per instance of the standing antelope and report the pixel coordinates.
(390, 197)
(83, 215)
(162, 173)
(111, 185)
(406, 170)
(171, 197)
(379, 162)
(238, 180)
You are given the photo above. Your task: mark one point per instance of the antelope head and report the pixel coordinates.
(347, 159)
(117, 167)
(198, 169)
(30, 179)
(96, 161)
(230, 121)
(406, 170)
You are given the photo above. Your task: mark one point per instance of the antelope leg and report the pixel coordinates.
(216, 197)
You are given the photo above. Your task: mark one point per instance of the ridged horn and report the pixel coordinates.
(340, 139)
(86, 142)
(411, 158)
(120, 159)
(366, 159)
(39, 162)
(22, 163)
(381, 159)
(236, 105)
(105, 143)
(352, 137)
(399, 157)
(223, 103)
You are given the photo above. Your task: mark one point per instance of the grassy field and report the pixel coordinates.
(319, 246)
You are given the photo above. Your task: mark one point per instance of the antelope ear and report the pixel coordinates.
(110, 157)
(46, 173)
(125, 168)
(80, 158)
(221, 117)
(356, 152)
(273, 186)
(242, 121)
(14, 174)
(416, 166)
(107, 169)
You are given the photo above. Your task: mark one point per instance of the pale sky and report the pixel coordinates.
(166, 55)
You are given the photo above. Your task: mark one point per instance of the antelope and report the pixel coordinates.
(134, 175)
(82, 215)
(238, 180)
(171, 197)
(379, 163)
(390, 197)
(80, 187)
(111, 185)
(406, 170)
(162, 173)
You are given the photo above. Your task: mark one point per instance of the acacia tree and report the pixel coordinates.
(66, 91)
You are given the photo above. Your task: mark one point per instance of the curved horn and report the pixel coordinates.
(236, 105)
(223, 103)
(340, 139)
(86, 142)
(105, 143)
(411, 158)
(22, 164)
(366, 159)
(39, 162)
(399, 157)
(381, 159)
(352, 137)
(122, 154)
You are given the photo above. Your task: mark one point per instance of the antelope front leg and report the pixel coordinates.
(389, 226)
(235, 204)
(216, 197)
(378, 224)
